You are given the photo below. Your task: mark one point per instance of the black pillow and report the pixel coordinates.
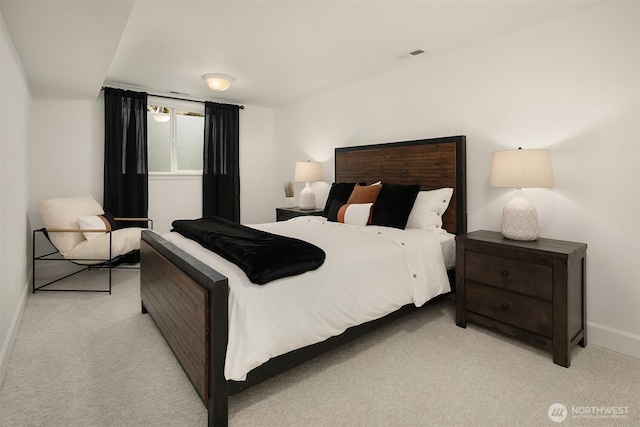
(112, 221)
(333, 210)
(340, 192)
(394, 204)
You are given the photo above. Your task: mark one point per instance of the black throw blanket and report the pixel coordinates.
(262, 256)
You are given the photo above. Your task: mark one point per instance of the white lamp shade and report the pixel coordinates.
(522, 169)
(218, 82)
(308, 171)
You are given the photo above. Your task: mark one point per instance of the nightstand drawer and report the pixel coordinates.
(523, 277)
(517, 310)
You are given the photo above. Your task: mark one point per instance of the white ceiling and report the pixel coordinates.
(278, 51)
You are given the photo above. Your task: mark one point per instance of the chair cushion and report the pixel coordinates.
(64, 213)
(124, 241)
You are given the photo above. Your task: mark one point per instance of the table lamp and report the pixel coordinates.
(521, 169)
(308, 172)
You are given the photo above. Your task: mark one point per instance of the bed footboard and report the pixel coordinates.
(188, 302)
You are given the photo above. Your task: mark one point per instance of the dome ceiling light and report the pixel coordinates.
(218, 82)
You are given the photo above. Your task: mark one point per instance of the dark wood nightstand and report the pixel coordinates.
(534, 291)
(283, 214)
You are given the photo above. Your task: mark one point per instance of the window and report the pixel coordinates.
(175, 136)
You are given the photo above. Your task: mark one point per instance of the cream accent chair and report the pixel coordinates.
(87, 245)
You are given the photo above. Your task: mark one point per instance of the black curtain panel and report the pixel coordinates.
(126, 177)
(221, 169)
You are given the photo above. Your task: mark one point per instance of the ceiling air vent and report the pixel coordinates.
(416, 52)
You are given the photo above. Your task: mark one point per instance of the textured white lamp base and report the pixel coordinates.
(520, 219)
(307, 198)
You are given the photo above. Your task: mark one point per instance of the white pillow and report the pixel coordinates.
(94, 222)
(356, 214)
(428, 209)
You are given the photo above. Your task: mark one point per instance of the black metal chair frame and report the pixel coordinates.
(109, 264)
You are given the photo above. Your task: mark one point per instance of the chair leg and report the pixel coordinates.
(110, 264)
(47, 257)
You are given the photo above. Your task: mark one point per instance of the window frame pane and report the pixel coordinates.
(174, 106)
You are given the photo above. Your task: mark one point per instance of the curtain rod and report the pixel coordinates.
(171, 96)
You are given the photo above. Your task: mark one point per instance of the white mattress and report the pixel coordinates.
(368, 272)
(448, 247)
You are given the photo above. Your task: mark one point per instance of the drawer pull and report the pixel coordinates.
(504, 306)
(504, 273)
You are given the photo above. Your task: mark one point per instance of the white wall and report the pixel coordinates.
(66, 151)
(570, 85)
(14, 228)
(260, 191)
(173, 198)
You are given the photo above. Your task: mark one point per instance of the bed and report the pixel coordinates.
(189, 300)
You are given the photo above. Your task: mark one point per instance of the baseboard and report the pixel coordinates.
(7, 345)
(613, 339)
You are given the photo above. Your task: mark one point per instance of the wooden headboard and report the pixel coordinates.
(431, 163)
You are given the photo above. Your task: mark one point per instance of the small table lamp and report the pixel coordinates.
(521, 169)
(308, 172)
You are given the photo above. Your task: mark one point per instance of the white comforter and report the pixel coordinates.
(368, 272)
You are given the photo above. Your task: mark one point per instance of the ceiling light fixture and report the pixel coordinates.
(218, 82)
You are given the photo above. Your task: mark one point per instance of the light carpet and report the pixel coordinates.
(84, 359)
